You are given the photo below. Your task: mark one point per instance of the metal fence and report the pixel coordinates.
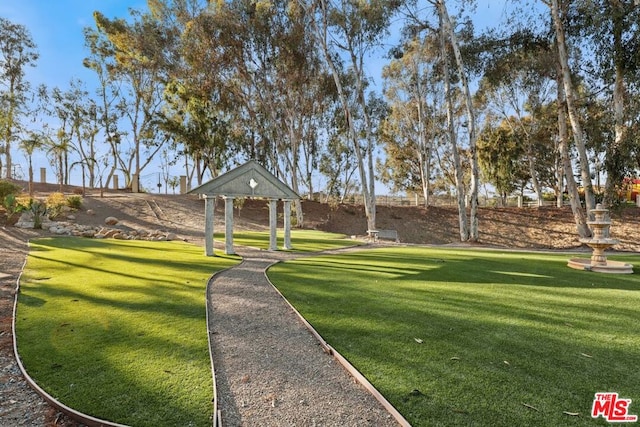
(449, 201)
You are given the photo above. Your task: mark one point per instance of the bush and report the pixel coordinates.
(8, 189)
(25, 203)
(74, 202)
(18, 203)
(10, 203)
(55, 203)
(38, 210)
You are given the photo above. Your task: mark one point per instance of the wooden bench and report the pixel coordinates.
(375, 235)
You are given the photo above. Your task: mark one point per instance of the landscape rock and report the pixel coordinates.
(111, 220)
(65, 228)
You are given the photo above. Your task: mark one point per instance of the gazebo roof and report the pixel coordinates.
(247, 180)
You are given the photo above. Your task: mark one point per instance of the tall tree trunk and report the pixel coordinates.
(559, 177)
(534, 178)
(569, 92)
(367, 187)
(614, 169)
(30, 177)
(367, 177)
(7, 158)
(471, 122)
(462, 211)
(424, 151)
(572, 186)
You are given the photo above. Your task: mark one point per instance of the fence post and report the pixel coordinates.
(135, 183)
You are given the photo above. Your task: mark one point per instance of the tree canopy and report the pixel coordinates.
(543, 104)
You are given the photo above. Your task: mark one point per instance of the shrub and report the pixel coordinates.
(22, 202)
(74, 202)
(55, 203)
(8, 189)
(25, 203)
(10, 203)
(38, 209)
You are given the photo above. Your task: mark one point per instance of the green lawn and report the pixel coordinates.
(485, 338)
(117, 329)
(301, 240)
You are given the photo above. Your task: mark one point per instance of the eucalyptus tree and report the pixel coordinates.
(611, 31)
(256, 69)
(353, 30)
(454, 72)
(110, 106)
(413, 85)
(303, 93)
(32, 142)
(518, 80)
(290, 90)
(37, 137)
(17, 51)
(79, 124)
(500, 156)
(194, 115)
(338, 165)
(558, 18)
(450, 40)
(140, 51)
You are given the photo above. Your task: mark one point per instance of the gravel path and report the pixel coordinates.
(270, 370)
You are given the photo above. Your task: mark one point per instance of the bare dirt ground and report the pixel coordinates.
(528, 228)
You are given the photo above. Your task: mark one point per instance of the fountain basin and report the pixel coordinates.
(613, 267)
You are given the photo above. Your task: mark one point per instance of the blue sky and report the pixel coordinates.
(56, 28)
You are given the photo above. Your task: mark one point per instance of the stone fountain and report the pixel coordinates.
(599, 242)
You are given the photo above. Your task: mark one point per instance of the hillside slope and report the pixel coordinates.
(533, 228)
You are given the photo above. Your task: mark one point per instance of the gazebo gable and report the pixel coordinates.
(247, 180)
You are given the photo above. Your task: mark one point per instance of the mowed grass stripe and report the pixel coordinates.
(500, 332)
(117, 329)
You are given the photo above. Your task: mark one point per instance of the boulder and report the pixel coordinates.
(111, 220)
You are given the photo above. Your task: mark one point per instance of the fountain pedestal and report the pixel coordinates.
(599, 242)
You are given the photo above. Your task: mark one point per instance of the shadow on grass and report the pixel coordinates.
(477, 267)
(118, 329)
(471, 338)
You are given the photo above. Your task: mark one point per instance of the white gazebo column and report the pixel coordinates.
(273, 225)
(228, 224)
(287, 224)
(209, 204)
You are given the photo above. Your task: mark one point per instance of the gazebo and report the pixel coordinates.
(247, 180)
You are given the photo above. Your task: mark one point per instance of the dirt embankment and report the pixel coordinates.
(534, 228)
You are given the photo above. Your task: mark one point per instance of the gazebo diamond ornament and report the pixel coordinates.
(253, 184)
